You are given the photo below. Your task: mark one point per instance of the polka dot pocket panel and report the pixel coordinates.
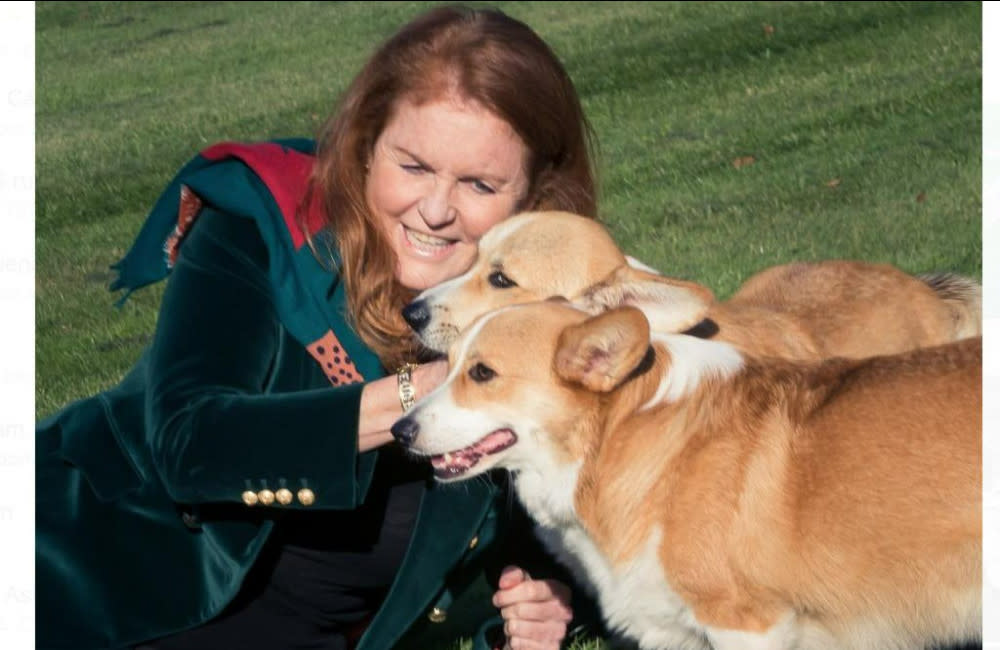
(333, 359)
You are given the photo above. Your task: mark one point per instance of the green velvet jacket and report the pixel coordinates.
(142, 529)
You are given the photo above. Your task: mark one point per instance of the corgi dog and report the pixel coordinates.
(714, 499)
(796, 311)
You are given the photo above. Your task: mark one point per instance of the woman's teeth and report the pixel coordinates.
(426, 242)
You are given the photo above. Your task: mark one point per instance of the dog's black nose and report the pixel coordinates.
(405, 431)
(417, 315)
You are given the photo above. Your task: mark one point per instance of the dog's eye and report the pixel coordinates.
(480, 373)
(501, 281)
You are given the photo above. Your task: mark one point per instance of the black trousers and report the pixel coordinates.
(264, 624)
(322, 576)
(265, 617)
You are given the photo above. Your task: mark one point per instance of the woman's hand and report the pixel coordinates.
(428, 376)
(380, 406)
(535, 612)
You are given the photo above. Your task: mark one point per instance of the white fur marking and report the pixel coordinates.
(504, 229)
(635, 597)
(783, 635)
(691, 361)
(429, 295)
(548, 489)
(636, 264)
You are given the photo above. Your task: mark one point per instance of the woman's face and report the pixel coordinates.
(441, 174)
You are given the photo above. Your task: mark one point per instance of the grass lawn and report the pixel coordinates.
(733, 136)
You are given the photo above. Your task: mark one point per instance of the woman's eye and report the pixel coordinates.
(481, 187)
(413, 168)
(481, 373)
(500, 281)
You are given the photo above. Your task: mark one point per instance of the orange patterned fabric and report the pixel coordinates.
(332, 358)
(189, 208)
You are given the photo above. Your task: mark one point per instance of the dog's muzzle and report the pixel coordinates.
(417, 315)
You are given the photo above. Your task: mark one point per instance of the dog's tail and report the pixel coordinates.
(964, 297)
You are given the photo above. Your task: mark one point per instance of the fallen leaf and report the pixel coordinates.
(743, 161)
(768, 30)
(921, 197)
(833, 182)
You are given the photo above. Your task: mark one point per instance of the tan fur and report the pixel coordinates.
(845, 489)
(846, 308)
(844, 493)
(521, 385)
(799, 311)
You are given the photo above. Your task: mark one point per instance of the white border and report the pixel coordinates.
(17, 263)
(17, 342)
(991, 314)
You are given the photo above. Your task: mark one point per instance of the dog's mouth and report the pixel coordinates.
(438, 337)
(456, 463)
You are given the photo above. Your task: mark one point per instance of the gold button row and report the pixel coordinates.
(282, 496)
(437, 614)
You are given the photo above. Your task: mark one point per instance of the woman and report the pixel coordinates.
(237, 489)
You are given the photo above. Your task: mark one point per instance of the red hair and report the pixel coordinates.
(479, 55)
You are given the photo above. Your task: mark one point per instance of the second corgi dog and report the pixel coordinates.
(797, 311)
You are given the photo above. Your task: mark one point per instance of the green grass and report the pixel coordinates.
(863, 121)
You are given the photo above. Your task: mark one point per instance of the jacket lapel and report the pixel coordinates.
(449, 517)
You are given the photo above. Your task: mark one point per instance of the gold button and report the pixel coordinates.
(284, 496)
(437, 615)
(266, 497)
(306, 497)
(474, 542)
(190, 520)
(250, 498)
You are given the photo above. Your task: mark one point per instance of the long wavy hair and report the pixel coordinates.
(481, 55)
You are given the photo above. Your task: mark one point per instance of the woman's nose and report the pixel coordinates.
(435, 207)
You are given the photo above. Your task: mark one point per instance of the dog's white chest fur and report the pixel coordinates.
(635, 598)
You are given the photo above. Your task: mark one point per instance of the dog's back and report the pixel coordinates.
(831, 505)
(855, 309)
(886, 466)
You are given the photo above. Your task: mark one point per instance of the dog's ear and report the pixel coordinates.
(638, 264)
(602, 351)
(670, 305)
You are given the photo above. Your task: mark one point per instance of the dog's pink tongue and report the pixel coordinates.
(496, 441)
(459, 462)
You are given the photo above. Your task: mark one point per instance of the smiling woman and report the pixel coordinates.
(249, 451)
(441, 174)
